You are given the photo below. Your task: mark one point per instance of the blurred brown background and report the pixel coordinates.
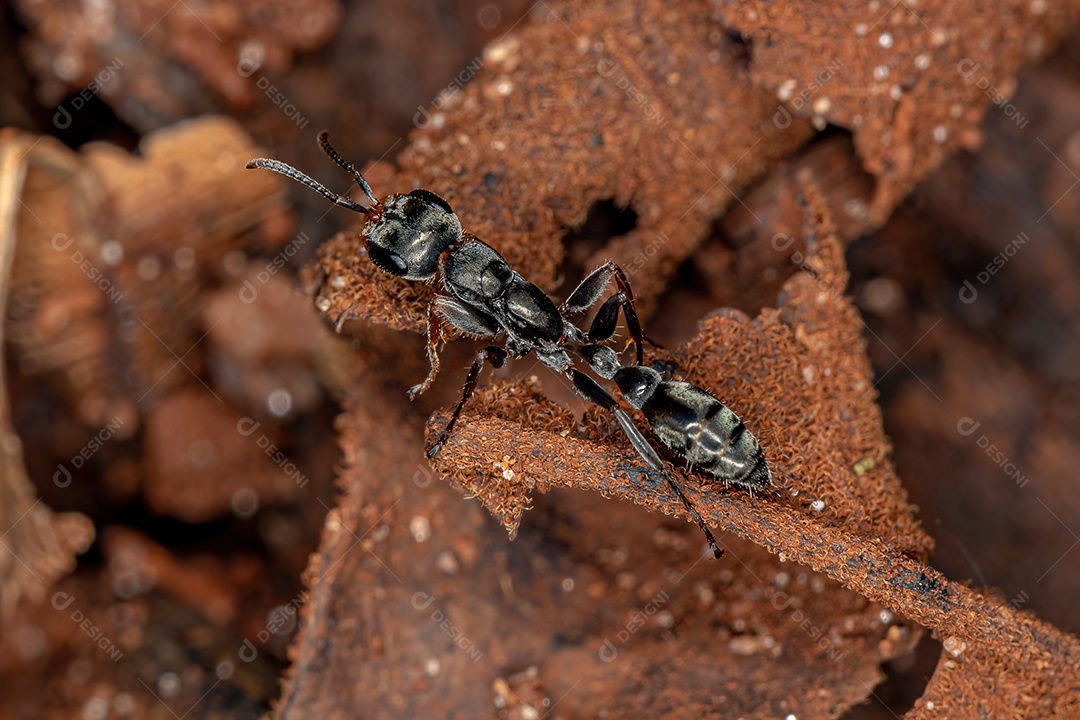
(968, 293)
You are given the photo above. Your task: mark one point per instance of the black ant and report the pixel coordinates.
(418, 237)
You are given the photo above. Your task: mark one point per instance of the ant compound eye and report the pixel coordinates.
(431, 198)
(387, 260)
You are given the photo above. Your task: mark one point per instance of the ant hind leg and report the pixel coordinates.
(593, 392)
(588, 292)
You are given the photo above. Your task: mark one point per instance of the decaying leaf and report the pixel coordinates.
(695, 124)
(797, 374)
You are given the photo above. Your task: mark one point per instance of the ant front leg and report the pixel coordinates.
(349, 313)
(444, 309)
(603, 326)
(593, 392)
(434, 335)
(494, 355)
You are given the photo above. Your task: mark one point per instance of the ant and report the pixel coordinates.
(418, 237)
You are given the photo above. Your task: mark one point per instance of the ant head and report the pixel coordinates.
(637, 384)
(411, 232)
(405, 234)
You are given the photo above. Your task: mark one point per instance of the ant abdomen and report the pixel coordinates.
(693, 423)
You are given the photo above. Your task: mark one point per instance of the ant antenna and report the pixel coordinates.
(324, 143)
(290, 172)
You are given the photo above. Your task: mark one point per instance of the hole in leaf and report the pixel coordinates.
(906, 678)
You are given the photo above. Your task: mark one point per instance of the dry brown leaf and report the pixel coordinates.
(36, 546)
(519, 175)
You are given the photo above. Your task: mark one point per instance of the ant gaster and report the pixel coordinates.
(418, 237)
(690, 421)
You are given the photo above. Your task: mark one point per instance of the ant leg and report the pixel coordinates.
(603, 325)
(348, 313)
(588, 292)
(434, 335)
(593, 392)
(444, 309)
(494, 355)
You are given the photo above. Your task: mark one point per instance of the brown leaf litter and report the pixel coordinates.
(797, 374)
